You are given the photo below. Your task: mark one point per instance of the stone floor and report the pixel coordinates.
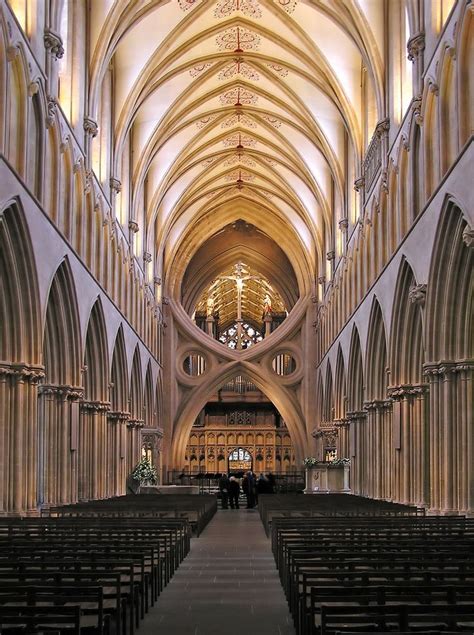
(227, 585)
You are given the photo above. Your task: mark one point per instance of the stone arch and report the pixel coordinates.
(119, 375)
(340, 405)
(450, 286)
(34, 168)
(118, 415)
(19, 309)
(17, 108)
(465, 84)
(93, 450)
(58, 396)
(449, 345)
(406, 341)
(96, 357)
(280, 396)
(20, 344)
(136, 421)
(148, 400)
(376, 355)
(62, 335)
(409, 422)
(355, 414)
(328, 413)
(355, 374)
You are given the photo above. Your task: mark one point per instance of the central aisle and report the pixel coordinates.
(228, 584)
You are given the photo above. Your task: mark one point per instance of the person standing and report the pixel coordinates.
(224, 484)
(249, 487)
(234, 492)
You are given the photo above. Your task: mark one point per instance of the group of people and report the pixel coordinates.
(229, 488)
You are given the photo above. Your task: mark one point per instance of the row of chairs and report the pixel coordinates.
(316, 505)
(377, 574)
(80, 573)
(197, 510)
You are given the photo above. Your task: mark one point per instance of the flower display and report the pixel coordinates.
(145, 472)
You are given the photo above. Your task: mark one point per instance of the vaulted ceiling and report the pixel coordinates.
(240, 109)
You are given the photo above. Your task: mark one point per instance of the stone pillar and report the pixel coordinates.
(267, 321)
(19, 437)
(210, 325)
(57, 450)
(117, 421)
(356, 431)
(451, 437)
(92, 449)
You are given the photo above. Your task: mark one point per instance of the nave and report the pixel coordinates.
(227, 584)
(332, 564)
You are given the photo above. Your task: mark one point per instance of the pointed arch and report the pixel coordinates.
(148, 401)
(376, 355)
(450, 289)
(328, 414)
(465, 84)
(62, 336)
(355, 374)
(96, 358)
(119, 375)
(20, 339)
(340, 396)
(136, 387)
(406, 342)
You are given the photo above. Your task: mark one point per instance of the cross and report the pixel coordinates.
(239, 278)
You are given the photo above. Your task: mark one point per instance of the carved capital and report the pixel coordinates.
(416, 106)
(62, 392)
(95, 406)
(12, 52)
(21, 372)
(133, 226)
(359, 183)
(51, 104)
(415, 45)
(90, 126)
(147, 257)
(53, 42)
(417, 294)
(322, 280)
(115, 185)
(157, 280)
(331, 255)
(33, 88)
(343, 224)
(356, 415)
(406, 390)
(468, 236)
(165, 300)
(382, 127)
(118, 416)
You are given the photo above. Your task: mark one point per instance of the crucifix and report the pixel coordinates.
(239, 278)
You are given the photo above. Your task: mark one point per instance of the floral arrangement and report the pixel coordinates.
(338, 462)
(311, 461)
(145, 472)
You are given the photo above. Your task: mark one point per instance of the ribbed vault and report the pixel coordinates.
(235, 109)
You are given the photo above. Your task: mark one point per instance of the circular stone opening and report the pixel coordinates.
(194, 365)
(284, 364)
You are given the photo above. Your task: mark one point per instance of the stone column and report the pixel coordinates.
(57, 451)
(19, 437)
(210, 325)
(117, 421)
(92, 449)
(356, 431)
(267, 320)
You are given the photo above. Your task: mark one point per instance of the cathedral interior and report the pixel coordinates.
(236, 230)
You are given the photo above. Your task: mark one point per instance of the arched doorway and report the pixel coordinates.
(240, 460)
